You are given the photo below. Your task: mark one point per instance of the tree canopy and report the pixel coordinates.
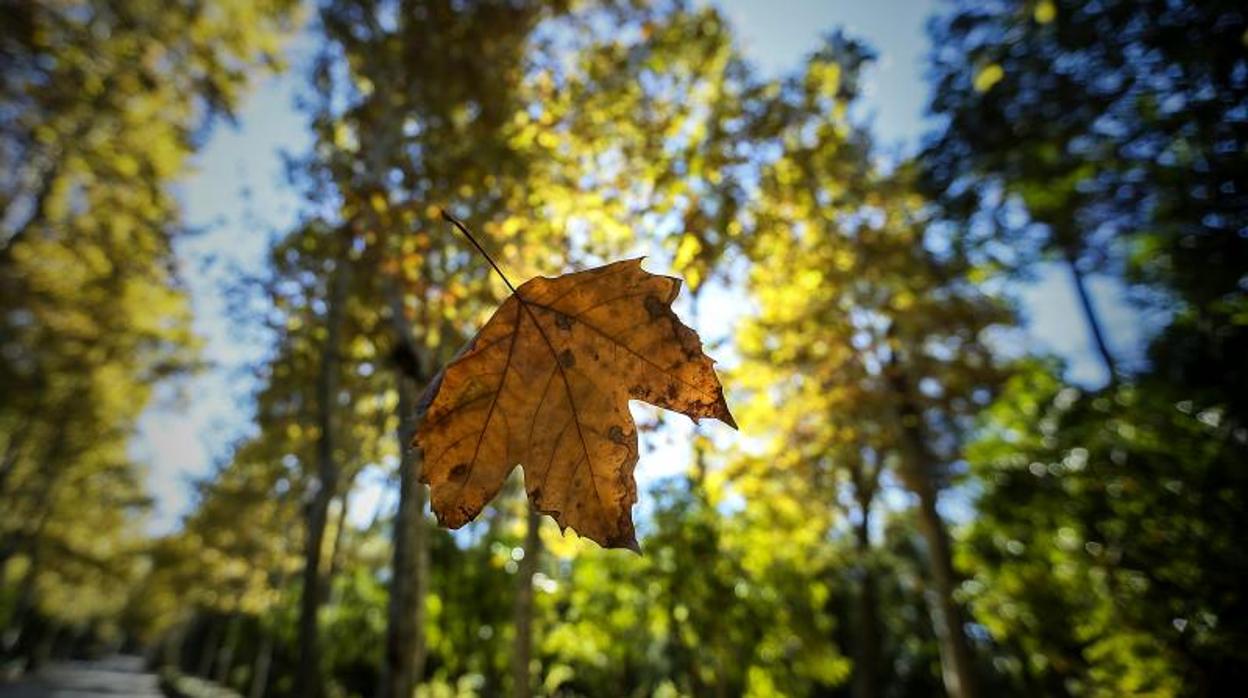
(920, 500)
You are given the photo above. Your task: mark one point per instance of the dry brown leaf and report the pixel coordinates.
(546, 384)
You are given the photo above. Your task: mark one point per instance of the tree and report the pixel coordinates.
(106, 102)
(386, 153)
(226, 568)
(868, 318)
(1115, 126)
(1114, 511)
(509, 131)
(321, 363)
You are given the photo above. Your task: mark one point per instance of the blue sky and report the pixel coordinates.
(238, 200)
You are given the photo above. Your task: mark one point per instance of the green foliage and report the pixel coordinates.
(1117, 510)
(1112, 137)
(1113, 125)
(1072, 83)
(103, 103)
(1093, 531)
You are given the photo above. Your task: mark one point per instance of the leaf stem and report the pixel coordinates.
(446, 216)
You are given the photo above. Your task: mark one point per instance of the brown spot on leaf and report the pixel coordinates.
(655, 308)
(567, 359)
(563, 322)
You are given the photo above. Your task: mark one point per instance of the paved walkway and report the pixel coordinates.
(105, 678)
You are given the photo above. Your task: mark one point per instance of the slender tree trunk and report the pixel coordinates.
(28, 623)
(1092, 317)
(405, 632)
(956, 661)
(25, 617)
(405, 650)
(264, 655)
(45, 643)
(340, 526)
(173, 645)
(225, 657)
(264, 662)
(208, 650)
(10, 545)
(867, 652)
(918, 466)
(308, 673)
(522, 653)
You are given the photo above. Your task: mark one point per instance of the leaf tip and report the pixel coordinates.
(625, 541)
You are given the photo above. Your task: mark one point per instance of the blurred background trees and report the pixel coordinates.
(103, 103)
(917, 503)
(1114, 132)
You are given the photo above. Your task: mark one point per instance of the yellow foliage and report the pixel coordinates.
(1045, 12)
(988, 76)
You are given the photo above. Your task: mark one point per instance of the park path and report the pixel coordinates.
(111, 677)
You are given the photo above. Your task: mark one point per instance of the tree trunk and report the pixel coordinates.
(956, 661)
(172, 646)
(522, 654)
(25, 613)
(12, 452)
(225, 657)
(308, 673)
(405, 647)
(1092, 318)
(918, 466)
(335, 550)
(867, 650)
(264, 661)
(264, 654)
(25, 619)
(208, 648)
(405, 632)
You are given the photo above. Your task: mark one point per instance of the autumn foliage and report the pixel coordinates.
(992, 397)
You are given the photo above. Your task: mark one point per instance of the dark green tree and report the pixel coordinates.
(1109, 135)
(1105, 538)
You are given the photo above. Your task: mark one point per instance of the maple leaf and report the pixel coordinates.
(545, 384)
